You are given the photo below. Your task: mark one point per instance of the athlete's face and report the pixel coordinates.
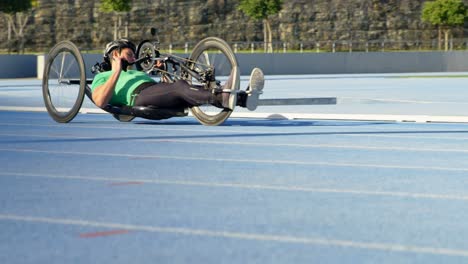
(125, 54)
(128, 55)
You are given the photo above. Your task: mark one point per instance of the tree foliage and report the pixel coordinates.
(109, 6)
(260, 9)
(16, 6)
(445, 14)
(118, 6)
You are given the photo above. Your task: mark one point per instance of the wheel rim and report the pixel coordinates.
(62, 94)
(146, 49)
(212, 55)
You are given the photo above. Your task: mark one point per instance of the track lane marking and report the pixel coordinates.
(104, 233)
(376, 131)
(124, 181)
(315, 241)
(289, 162)
(294, 115)
(306, 145)
(248, 143)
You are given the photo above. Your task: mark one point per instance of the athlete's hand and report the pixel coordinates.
(116, 61)
(159, 65)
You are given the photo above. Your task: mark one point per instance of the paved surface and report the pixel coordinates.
(250, 191)
(412, 97)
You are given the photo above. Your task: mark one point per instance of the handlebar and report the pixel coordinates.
(139, 60)
(125, 63)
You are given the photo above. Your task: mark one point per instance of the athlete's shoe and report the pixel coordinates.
(256, 83)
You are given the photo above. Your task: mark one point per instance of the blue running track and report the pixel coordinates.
(250, 191)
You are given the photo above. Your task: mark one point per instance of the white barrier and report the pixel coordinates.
(40, 66)
(17, 66)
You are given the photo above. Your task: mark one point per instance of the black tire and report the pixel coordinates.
(123, 118)
(64, 82)
(145, 48)
(216, 53)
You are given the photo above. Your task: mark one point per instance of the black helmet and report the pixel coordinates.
(118, 44)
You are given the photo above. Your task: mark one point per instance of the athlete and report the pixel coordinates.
(119, 86)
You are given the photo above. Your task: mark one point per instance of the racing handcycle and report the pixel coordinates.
(211, 61)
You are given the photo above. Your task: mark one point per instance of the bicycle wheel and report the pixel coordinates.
(64, 82)
(215, 56)
(144, 49)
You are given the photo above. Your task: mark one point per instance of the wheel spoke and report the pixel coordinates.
(61, 67)
(213, 55)
(62, 98)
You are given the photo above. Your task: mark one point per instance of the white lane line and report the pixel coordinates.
(243, 236)
(375, 130)
(305, 145)
(356, 117)
(309, 116)
(383, 100)
(289, 162)
(244, 143)
(23, 108)
(390, 100)
(411, 134)
(412, 195)
(48, 136)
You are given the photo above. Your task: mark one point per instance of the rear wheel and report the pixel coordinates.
(215, 58)
(64, 82)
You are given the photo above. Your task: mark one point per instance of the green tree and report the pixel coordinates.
(445, 14)
(118, 7)
(262, 10)
(17, 14)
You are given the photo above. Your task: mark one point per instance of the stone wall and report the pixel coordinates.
(188, 21)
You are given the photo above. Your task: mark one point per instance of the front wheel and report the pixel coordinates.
(214, 58)
(64, 82)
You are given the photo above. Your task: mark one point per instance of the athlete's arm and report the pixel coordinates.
(103, 94)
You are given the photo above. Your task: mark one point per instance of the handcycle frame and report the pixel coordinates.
(200, 69)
